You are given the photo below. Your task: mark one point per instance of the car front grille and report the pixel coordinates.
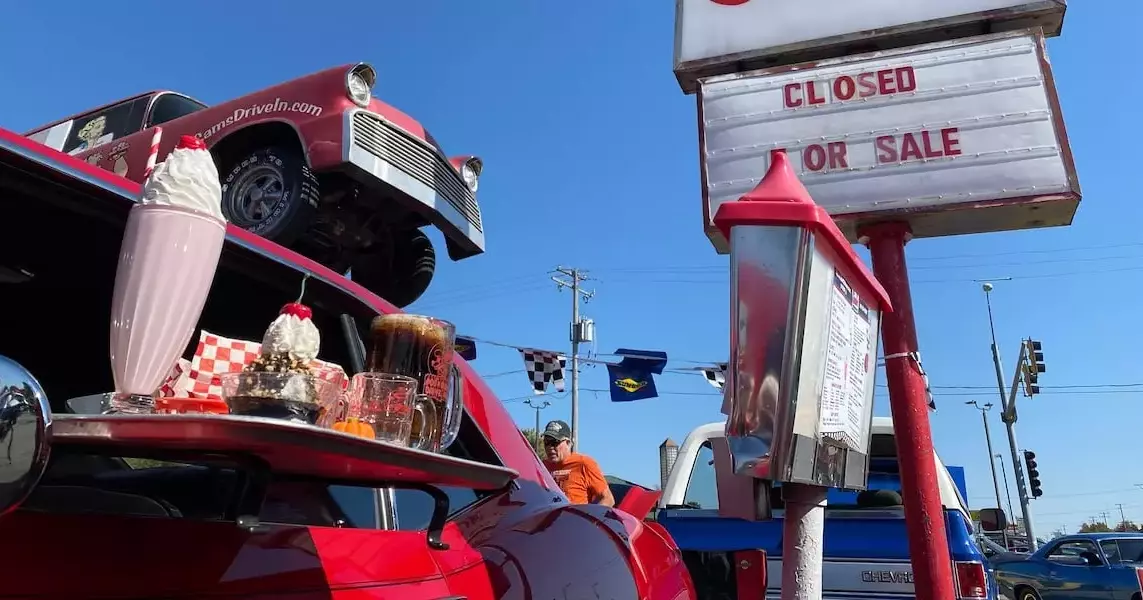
(412, 156)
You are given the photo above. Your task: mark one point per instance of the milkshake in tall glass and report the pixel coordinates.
(170, 251)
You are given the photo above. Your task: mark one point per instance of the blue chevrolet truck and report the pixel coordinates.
(866, 551)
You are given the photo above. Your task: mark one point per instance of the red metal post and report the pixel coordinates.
(924, 519)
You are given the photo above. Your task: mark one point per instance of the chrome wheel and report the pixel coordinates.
(257, 195)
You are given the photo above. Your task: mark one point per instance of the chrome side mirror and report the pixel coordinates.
(25, 434)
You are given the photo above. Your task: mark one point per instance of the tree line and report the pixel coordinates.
(1103, 527)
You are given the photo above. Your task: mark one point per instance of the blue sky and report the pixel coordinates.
(591, 161)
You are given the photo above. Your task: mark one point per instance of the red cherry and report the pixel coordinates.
(191, 142)
(298, 310)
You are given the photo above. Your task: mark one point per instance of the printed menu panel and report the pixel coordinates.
(847, 363)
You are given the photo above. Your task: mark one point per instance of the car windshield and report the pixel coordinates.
(1126, 551)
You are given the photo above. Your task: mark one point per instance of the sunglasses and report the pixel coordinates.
(549, 442)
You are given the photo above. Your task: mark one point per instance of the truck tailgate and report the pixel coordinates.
(866, 557)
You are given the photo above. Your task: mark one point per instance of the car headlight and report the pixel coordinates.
(358, 90)
(470, 172)
(359, 83)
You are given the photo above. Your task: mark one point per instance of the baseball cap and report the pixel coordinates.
(557, 430)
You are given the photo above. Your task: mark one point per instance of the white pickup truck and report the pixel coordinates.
(866, 549)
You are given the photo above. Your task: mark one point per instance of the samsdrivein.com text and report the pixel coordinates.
(277, 106)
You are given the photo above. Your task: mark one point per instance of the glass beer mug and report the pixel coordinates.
(422, 348)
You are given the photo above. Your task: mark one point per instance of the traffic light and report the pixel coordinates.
(1033, 474)
(1032, 366)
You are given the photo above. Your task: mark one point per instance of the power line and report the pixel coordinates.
(1053, 393)
(490, 292)
(1039, 276)
(1083, 273)
(912, 260)
(1026, 263)
(1043, 251)
(1087, 510)
(1047, 387)
(1079, 494)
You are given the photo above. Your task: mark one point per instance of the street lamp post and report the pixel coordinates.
(987, 287)
(1007, 492)
(991, 463)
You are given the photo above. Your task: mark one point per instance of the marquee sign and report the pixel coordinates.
(715, 37)
(955, 137)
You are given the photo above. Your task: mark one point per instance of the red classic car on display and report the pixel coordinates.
(93, 508)
(316, 164)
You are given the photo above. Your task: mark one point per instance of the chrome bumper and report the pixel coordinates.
(416, 168)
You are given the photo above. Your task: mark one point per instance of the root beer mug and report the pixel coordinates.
(422, 348)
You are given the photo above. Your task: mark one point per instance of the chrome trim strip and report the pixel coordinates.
(432, 199)
(388, 508)
(412, 136)
(424, 194)
(378, 509)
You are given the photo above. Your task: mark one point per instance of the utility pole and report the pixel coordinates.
(992, 463)
(1122, 515)
(538, 408)
(581, 331)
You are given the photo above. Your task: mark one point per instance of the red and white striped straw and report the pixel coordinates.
(153, 157)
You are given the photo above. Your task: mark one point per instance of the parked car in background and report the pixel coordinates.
(639, 500)
(316, 164)
(1103, 566)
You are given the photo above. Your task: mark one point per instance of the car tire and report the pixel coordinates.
(399, 270)
(270, 192)
(1027, 593)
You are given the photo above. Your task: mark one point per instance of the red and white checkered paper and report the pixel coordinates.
(215, 356)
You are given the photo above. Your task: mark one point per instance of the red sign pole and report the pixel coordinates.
(908, 399)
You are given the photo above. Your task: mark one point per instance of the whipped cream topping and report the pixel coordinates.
(291, 335)
(187, 179)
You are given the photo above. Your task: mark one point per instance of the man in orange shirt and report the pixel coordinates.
(577, 475)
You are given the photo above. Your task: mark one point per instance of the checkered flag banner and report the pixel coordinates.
(715, 376)
(544, 367)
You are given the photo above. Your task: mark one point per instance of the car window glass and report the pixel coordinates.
(1131, 551)
(105, 125)
(413, 508)
(320, 505)
(701, 489)
(169, 107)
(1110, 550)
(1069, 552)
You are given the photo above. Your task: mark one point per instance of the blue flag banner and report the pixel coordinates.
(465, 348)
(633, 377)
